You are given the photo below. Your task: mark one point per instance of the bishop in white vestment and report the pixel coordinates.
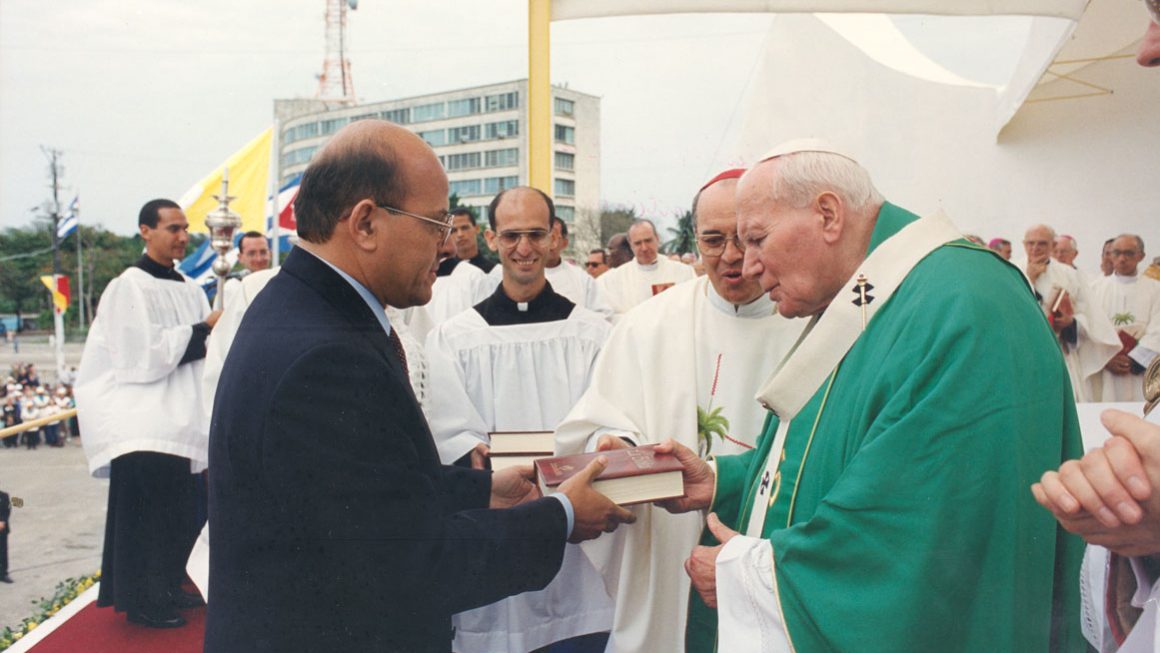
(1132, 303)
(1089, 342)
(682, 365)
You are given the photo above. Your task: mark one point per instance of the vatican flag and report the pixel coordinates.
(249, 170)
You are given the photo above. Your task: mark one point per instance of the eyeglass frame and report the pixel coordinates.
(445, 226)
(737, 242)
(520, 234)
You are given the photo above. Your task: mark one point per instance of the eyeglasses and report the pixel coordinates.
(594, 264)
(1124, 252)
(512, 238)
(444, 221)
(714, 244)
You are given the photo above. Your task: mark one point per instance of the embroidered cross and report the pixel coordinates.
(765, 482)
(862, 296)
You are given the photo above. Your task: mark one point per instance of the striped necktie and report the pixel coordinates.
(398, 345)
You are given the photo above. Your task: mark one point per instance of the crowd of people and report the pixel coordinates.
(343, 408)
(24, 398)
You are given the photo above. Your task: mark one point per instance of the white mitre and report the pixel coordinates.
(798, 145)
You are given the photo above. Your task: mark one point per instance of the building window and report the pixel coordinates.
(565, 107)
(397, 116)
(365, 116)
(457, 108)
(426, 112)
(566, 213)
(434, 138)
(502, 129)
(501, 102)
(565, 161)
(565, 134)
(493, 185)
(465, 188)
(333, 125)
(305, 130)
(565, 187)
(501, 158)
(301, 155)
(464, 161)
(466, 134)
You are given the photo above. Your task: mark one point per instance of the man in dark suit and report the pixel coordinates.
(5, 529)
(332, 524)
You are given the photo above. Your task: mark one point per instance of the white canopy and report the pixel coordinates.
(572, 9)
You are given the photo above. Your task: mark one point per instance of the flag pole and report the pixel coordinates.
(275, 188)
(80, 270)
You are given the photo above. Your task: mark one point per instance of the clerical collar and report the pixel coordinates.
(156, 270)
(763, 306)
(649, 267)
(548, 306)
(1123, 279)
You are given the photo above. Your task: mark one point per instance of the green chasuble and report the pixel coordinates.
(902, 518)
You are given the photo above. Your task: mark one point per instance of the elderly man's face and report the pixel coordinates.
(1065, 251)
(643, 241)
(1126, 256)
(717, 241)
(1038, 242)
(784, 246)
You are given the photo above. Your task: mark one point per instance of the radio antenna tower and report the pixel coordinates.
(335, 83)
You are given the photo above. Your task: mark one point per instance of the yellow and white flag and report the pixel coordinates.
(249, 177)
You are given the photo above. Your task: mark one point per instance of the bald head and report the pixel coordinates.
(360, 162)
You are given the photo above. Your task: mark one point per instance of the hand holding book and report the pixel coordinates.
(699, 479)
(594, 512)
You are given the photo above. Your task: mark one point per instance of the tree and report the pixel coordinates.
(27, 255)
(684, 238)
(615, 220)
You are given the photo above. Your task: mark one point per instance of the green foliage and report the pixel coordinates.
(615, 220)
(105, 255)
(684, 238)
(46, 607)
(710, 423)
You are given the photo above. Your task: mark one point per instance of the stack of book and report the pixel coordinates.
(511, 448)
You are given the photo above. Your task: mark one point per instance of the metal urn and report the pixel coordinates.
(222, 224)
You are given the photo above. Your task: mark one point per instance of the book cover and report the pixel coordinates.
(522, 442)
(632, 475)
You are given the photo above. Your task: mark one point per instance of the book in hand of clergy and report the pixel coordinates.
(632, 475)
(512, 448)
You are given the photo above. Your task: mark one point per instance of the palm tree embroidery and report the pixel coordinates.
(1120, 319)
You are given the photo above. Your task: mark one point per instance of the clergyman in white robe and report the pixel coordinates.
(632, 283)
(1096, 341)
(681, 351)
(521, 368)
(1132, 303)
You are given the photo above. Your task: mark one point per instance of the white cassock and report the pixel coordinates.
(132, 394)
(1133, 306)
(663, 360)
(456, 292)
(517, 377)
(236, 298)
(632, 283)
(578, 286)
(1096, 340)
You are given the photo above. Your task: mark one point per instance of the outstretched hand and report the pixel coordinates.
(513, 486)
(702, 564)
(698, 477)
(594, 512)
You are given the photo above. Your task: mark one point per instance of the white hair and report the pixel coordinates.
(802, 176)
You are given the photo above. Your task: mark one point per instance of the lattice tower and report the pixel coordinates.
(335, 83)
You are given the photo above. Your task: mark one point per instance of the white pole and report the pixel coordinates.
(276, 187)
(58, 324)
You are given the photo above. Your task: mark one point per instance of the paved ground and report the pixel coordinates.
(59, 531)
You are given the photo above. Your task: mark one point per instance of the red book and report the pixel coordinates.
(1127, 342)
(633, 475)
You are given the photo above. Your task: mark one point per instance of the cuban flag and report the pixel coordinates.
(286, 195)
(68, 223)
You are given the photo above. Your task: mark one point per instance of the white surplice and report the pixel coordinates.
(684, 349)
(632, 283)
(132, 394)
(1133, 306)
(578, 286)
(1096, 340)
(517, 377)
(456, 292)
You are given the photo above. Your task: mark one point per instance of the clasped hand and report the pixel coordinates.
(1108, 497)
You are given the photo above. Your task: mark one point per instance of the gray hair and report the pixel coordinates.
(1139, 241)
(640, 221)
(802, 176)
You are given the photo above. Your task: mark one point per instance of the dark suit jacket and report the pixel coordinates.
(333, 526)
(5, 513)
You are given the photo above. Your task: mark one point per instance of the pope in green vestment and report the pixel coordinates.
(901, 517)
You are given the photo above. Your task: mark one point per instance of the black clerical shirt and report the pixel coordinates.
(500, 310)
(195, 349)
(479, 261)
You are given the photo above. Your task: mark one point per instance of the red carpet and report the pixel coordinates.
(103, 630)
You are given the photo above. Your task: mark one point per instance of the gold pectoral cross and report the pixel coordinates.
(862, 296)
